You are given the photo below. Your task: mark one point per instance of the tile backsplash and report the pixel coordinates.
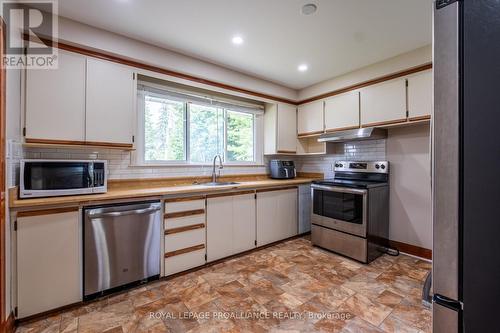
(356, 151)
(119, 162)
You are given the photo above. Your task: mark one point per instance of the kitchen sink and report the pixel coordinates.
(218, 184)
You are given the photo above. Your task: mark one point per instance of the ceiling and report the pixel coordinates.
(341, 36)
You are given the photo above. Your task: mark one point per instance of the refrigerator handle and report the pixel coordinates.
(447, 302)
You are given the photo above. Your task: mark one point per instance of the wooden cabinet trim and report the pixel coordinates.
(185, 250)
(382, 123)
(230, 194)
(182, 199)
(184, 213)
(185, 228)
(103, 55)
(389, 77)
(419, 118)
(303, 135)
(331, 130)
(280, 151)
(78, 143)
(47, 211)
(277, 189)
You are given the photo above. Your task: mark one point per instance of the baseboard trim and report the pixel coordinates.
(8, 326)
(414, 250)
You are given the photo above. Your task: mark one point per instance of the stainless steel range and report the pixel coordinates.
(351, 211)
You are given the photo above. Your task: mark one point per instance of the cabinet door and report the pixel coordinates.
(243, 222)
(287, 128)
(420, 95)
(219, 227)
(342, 112)
(310, 118)
(287, 213)
(267, 218)
(110, 102)
(55, 100)
(48, 262)
(384, 103)
(276, 215)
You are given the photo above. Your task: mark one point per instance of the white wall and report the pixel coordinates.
(75, 32)
(398, 63)
(407, 149)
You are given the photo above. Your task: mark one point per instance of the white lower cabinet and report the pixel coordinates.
(230, 224)
(48, 261)
(184, 241)
(276, 215)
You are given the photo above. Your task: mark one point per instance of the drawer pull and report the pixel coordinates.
(185, 250)
(185, 213)
(183, 229)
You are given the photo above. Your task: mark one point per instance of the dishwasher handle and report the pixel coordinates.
(123, 213)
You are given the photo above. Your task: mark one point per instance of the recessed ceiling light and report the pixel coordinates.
(302, 67)
(237, 40)
(309, 9)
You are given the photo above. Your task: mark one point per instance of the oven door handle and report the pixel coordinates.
(338, 189)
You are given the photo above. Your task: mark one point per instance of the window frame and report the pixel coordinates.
(138, 155)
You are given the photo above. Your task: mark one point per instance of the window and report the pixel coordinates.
(176, 128)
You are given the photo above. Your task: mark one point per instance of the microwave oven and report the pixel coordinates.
(49, 178)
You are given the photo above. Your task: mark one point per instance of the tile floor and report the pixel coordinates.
(290, 287)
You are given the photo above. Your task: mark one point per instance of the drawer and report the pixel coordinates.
(184, 204)
(185, 261)
(178, 222)
(185, 239)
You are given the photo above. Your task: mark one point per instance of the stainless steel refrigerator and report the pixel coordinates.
(466, 166)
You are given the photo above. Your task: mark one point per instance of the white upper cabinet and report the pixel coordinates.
(280, 129)
(383, 103)
(310, 118)
(110, 102)
(420, 95)
(287, 128)
(55, 100)
(342, 111)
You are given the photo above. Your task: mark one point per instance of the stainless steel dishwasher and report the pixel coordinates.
(121, 246)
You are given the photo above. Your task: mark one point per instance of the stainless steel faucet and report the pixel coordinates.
(214, 175)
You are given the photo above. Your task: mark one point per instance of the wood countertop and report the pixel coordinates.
(155, 189)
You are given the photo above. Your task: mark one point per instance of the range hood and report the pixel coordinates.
(369, 133)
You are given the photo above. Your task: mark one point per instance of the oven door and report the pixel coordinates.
(340, 208)
(45, 178)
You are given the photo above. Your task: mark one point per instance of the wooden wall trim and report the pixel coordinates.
(229, 194)
(47, 211)
(185, 250)
(193, 198)
(184, 213)
(363, 84)
(279, 151)
(4, 322)
(277, 189)
(184, 229)
(8, 326)
(411, 249)
(101, 54)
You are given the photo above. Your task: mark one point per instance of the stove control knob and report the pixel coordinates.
(383, 166)
(336, 165)
(341, 165)
(377, 166)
